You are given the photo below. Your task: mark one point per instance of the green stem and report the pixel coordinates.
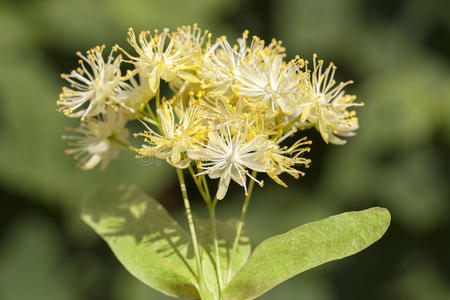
(148, 120)
(301, 126)
(205, 186)
(136, 113)
(150, 111)
(288, 126)
(202, 187)
(240, 224)
(157, 98)
(212, 215)
(191, 225)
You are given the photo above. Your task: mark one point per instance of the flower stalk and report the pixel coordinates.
(212, 216)
(190, 219)
(240, 226)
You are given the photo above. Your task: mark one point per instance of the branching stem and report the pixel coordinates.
(199, 185)
(191, 225)
(212, 215)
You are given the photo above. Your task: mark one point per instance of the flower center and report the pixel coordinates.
(232, 156)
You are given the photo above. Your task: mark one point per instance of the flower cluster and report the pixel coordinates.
(233, 110)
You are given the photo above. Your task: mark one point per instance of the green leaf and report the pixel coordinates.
(286, 255)
(146, 240)
(229, 263)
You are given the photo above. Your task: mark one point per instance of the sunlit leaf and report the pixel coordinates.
(146, 240)
(284, 256)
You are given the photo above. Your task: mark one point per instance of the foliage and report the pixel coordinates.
(156, 250)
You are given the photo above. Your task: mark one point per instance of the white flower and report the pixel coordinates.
(334, 120)
(93, 84)
(98, 140)
(193, 37)
(161, 57)
(218, 66)
(221, 61)
(265, 78)
(195, 40)
(227, 156)
(325, 105)
(177, 135)
(223, 111)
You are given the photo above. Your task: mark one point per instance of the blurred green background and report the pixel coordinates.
(398, 53)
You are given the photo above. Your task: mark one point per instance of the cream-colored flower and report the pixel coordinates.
(91, 85)
(218, 66)
(160, 56)
(335, 120)
(221, 61)
(194, 37)
(196, 40)
(221, 111)
(265, 78)
(177, 136)
(228, 156)
(98, 140)
(325, 105)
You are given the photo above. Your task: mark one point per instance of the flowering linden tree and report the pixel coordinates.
(235, 111)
